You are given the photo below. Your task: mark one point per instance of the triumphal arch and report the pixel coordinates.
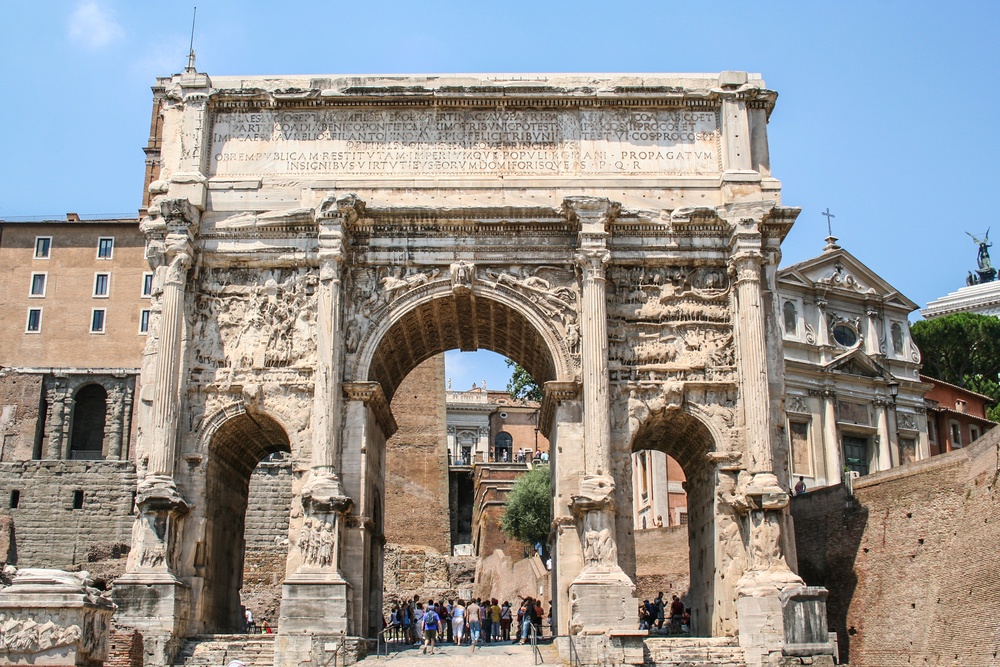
(315, 238)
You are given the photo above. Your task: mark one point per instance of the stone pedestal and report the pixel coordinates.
(158, 606)
(315, 604)
(314, 617)
(51, 617)
(602, 602)
(805, 622)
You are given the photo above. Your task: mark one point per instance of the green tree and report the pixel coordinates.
(963, 349)
(527, 515)
(522, 385)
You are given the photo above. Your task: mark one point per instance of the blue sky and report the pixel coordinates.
(888, 111)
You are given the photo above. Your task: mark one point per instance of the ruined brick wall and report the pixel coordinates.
(124, 648)
(416, 477)
(911, 561)
(662, 562)
(266, 536)
(46, 531)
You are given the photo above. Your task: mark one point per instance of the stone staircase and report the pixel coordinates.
(218, 650)
(694, 652)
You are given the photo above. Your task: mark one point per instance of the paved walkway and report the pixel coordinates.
(449, 655)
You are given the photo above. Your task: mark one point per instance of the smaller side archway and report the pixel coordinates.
(689, 441)
(235, 448)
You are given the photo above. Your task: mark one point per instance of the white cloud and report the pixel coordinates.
(93, 27)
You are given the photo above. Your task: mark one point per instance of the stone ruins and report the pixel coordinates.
(315, 238)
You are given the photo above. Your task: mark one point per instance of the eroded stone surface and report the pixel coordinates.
(314, 239)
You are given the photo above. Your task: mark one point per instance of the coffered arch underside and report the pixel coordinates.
(435, 318)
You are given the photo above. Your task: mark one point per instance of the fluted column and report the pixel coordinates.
(327, 402)
(180, 222)
(762, 499)
(170, 248)
(602, 596)
(752, 349)
(317, 588)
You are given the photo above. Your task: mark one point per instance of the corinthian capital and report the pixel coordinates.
(745, 265)
(592, 259)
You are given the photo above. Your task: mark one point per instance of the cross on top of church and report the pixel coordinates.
(829, 217)
(831, 240)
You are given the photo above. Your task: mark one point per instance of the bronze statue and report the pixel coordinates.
(985, 273)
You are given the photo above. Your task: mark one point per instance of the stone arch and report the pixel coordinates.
(397, 343)
(89, 419)
(236, 439)
(543, 351)
(690, 435)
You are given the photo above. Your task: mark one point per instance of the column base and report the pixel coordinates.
(159, 607)
(602, 601)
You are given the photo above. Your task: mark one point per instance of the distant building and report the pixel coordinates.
(492, 440)
(75, 300)
(982, 299)
(956, 417)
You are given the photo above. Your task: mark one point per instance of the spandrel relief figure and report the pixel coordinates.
(395, 285)
(557, 301)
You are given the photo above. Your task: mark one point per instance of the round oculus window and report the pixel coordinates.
(503, 415)
(845, 335)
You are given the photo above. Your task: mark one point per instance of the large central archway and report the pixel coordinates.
(425, 324)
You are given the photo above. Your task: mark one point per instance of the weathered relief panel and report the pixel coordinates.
(428, 143)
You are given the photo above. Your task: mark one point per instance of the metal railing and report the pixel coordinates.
(332, 660)
(381, 641)
(534, 644)
(574, 656)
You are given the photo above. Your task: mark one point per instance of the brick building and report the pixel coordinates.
(956, 417)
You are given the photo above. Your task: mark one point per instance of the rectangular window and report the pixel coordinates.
(43, 246)
(15, 499)
(105, 247)
(97, 316)
(37, 285)
(956, 435)
(973, 433)
(147, 285)
(101, 283)
(34, 324)
(144, 321)
(801, 449)
(78, 500)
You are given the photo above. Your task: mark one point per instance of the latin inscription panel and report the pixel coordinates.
(403, 142)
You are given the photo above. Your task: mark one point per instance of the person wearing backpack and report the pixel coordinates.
(430, 623)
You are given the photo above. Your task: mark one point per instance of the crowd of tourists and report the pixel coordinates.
(476, 622)
(659, 615)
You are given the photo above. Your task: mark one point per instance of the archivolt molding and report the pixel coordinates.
(218, 418)
(647, 402)
(438, 284)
